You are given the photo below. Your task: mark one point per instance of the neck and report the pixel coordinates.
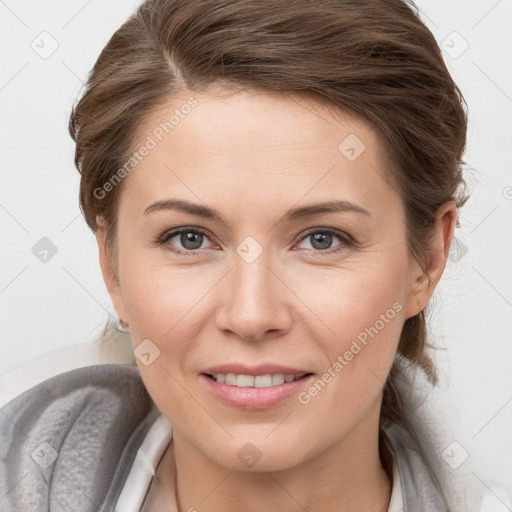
(347, 476)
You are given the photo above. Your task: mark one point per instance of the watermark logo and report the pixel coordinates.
(146, 352)
(351, 147)
(454, 455)
(457, 250)
(249, 454)
(45, 45)
(44, 455)
(249, 249)
(454, 45)
(44, 250)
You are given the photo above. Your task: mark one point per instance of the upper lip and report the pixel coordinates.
(261, 369)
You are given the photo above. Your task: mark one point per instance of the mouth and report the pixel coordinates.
(255, 381)
(254, 388)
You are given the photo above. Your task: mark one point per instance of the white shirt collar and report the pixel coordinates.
(151, 451)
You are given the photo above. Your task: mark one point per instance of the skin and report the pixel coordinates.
(252, 157)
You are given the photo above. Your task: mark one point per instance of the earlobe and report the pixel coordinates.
(424, 283)
(110, 275)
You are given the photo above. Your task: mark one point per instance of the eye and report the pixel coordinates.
(321, 240)
(190, 239)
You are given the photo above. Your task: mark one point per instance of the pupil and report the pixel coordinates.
(191, 240)
(324, 240)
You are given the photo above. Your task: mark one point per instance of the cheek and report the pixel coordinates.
(361, 309)
(161, 301)
(356, 301)
(164, 307)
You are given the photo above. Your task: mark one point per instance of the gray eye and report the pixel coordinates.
(321, 240)
(191, 240)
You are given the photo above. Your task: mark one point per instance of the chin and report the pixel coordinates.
(260, 454)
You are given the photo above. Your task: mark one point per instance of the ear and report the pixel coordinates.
(422, 285)
(109, 270)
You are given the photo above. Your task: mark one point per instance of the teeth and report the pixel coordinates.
(230, 379)
(245, 381)
(250, 381)
(278, 379)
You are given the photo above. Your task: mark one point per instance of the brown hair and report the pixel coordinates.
(373, 58)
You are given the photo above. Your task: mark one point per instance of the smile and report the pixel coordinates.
(251, 381)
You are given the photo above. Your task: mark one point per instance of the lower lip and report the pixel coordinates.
(254, 398)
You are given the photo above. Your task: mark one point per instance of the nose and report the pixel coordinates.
(255, 300)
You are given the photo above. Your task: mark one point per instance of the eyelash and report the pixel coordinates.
(347, 240)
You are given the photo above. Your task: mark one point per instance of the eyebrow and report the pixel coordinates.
(295, 214)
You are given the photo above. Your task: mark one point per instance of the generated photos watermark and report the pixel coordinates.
(304, 397)
(152, 140)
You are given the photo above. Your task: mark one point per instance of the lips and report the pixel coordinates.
(254, 387)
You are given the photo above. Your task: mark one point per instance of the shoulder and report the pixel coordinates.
(419, 490)
(434, 457)
(70, 440)
(428, 483)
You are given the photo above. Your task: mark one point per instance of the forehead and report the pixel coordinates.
(246, 142)
(255, 120)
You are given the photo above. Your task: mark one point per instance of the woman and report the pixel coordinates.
(273, 187)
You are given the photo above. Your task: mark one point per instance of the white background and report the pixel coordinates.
(63, 302)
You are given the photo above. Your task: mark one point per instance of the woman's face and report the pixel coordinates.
(284, 254)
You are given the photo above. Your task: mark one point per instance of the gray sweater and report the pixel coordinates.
(68, 444)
